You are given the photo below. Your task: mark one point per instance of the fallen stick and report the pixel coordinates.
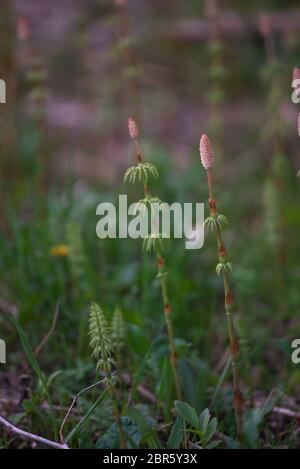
(286, 412)
(30, 436)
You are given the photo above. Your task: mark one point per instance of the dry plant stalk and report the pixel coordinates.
(75, 399)
(142, 172)
(31, 436)
(215, 221)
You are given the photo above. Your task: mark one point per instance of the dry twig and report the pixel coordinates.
(31, 436)
(72, 405)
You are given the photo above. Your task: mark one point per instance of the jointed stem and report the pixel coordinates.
(228, 300)
(234, 349)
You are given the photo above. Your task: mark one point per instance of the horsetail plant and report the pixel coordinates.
(155, 242)
(102, 351)
(216, 221)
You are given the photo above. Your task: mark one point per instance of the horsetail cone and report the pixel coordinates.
(206, 152)
(133, 129)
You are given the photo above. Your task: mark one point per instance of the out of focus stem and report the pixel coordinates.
(167, 313)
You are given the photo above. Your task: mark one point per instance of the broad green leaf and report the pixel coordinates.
(187, 373)
(271, 401)
(146, 424)
(252, 421)
(203, 421)
(231, 443)
(187, 413)
(176, 434)
(213, 444)
(111, 438)
(211, 429)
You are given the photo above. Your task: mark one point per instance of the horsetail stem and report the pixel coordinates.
(162, 273)
(215, 221)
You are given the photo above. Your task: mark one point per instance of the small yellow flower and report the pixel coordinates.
(60, 250)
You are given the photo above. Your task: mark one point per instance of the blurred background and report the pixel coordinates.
(75, 70)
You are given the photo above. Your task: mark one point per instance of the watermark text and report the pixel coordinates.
(152, 218)
(2, 351)
(2, 91)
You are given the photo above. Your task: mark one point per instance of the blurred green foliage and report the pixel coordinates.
(43, 207)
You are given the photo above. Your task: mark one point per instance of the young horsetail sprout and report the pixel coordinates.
(100, 341)
(154, 242)
(215, 221)
(102, 349)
